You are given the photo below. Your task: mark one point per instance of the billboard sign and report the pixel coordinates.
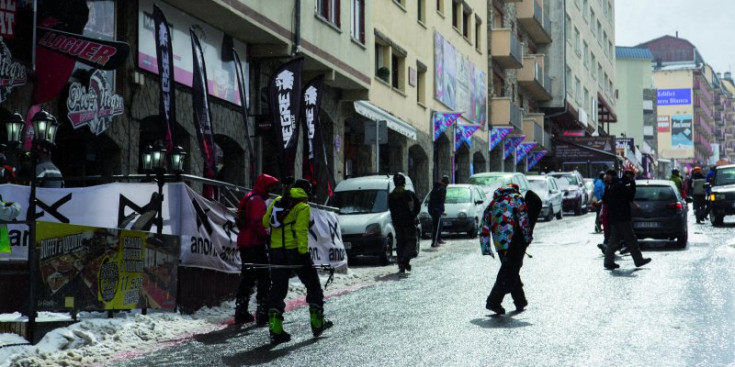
(681, 131)
(674, 97)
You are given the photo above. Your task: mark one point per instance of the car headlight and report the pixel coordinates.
(372, 230)
(461, 215)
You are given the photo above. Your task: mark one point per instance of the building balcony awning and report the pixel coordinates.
(604, 111)
(375, 113)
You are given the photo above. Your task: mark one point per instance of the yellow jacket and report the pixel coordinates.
(292, 232)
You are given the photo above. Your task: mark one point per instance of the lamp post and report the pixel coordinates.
(153, 159)
(45, 127)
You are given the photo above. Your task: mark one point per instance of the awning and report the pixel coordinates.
(375, 113)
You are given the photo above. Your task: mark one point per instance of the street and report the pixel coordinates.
(676, 311)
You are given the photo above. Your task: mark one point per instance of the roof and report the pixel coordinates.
(633, 53)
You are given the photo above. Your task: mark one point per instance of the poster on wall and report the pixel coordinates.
(93, 105)
(664, 123)
(221, 77)
(681, 131)
(674, 97)
(91, 268)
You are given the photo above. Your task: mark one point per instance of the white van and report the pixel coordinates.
(364, 216)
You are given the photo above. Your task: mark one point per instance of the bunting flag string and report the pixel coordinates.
(463, 134)
(523, 149)
(497, 134)
(510, 145)
(534, 158)
(442, 120)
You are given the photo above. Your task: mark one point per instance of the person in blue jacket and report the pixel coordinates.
(599, 192)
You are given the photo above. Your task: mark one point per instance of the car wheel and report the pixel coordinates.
(715, 219)
(472, 233)
(681, 241)
(584, 207)
(550, 216)
(386, 257)
(559, 215)
(418, 244)
(578, 209)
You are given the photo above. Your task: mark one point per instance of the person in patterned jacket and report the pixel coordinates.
(507, 220)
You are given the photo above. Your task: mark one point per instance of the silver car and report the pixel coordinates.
(463, 209)
(547, 188)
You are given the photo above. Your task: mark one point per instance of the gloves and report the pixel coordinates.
(485, 246)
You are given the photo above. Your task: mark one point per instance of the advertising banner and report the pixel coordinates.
(165, 59)
(315, 167)
(674, 97)
(94, 105)
(603, 147)
(221, 72)
(533, 158)
(91, 268)
(12, 73)
(284, 92)
(207, 230)
(510, 145)
(664, 123)
(624, 145)
(463, 134)
(497, 134)
(442, 120)
(523, 150)
(681, 131)
(202, 116)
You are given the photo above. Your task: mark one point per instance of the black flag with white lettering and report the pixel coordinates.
(202, 116)
(165, 57)
(316, 168)
(284, 92)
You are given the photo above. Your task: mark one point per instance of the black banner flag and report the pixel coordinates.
(316, 168)
(284, 92)
(165, 56)
(202, 116)
(244, 105)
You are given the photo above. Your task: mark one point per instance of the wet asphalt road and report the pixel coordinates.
(679, 310)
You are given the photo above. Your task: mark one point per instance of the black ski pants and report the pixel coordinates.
(509, 278)
(253, 277)
(279, 278)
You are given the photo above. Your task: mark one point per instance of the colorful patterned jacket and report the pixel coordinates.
(506, 212)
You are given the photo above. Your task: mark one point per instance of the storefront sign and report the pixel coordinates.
(93, 106)
(12, 74)
(7, 19)
(99, 54)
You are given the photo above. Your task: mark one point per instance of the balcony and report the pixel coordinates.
(531, 78)
(505, 48)
(530, 14)
(533, 128)
(504, 112)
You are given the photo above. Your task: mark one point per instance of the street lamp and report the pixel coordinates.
(44, 128)
(14, 126)
(153, 159)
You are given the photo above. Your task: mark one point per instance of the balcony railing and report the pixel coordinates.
(533, 127)
(505, 112)
(530, 14)
(531, 78)
(505, 48)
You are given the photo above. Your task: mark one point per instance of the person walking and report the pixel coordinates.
(698, 192)
(676, 179)
(599, 184)
(618, 199)
(506, 219)
(436, 209)
(288, 218)
(404, 207)
(252, 242)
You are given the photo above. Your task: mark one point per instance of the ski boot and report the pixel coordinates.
(261, 316)
(318, 323)
(275, 328)
(242, 316)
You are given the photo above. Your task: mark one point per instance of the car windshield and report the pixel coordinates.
(570, 179)
(360, 201)
(538, 185)
(725, 176)
(654, 193)
(458, 195)
(564, 181)
(486, 180)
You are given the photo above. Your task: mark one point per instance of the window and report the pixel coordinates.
(599, 75)
(440, 6)
(329, 10)
(604, 42)
(609, 12)
(466, 20)
(585, 51)
(478, 34)
(587, 98)
(456, 14)
(607, 81)
(357, 24)
(568, 78)
(577, 89)
(599, 32)
(576, 2)
(568, 28)
(421, 83)
(592, 22)
(421, 10)
(402, 3)
(577, 37)
(594, 62)
(398, 77)
(609, 48)
(498, 84)
(585, 8)
(382, 71)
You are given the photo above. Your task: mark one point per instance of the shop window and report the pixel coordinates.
(357, 27)
(329, 10)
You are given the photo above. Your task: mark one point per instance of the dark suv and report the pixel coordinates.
(722, 196)
(574, 193)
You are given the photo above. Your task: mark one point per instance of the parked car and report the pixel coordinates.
(367, 229)
(589, 185)
(574, 193)
(490, 181)
(547, 189)
(722, 196)
(462, 210)
(663, 212)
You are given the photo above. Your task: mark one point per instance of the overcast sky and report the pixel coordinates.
(708, 24)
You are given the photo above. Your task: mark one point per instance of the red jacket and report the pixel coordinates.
(251, 211)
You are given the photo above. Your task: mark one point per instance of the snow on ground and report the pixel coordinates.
(97, 340)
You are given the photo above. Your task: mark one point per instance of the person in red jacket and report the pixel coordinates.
(252, 242)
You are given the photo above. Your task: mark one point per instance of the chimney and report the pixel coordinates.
(728, 76)
(677, 34)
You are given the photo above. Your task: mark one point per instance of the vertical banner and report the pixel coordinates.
(442, 120)
(164, 53)
(315, 168)
(463, 134)
(534, 158)
(284, 95)
(523, 150)
(202, 116)
(511, 144)
(497, 134)
(244, 105)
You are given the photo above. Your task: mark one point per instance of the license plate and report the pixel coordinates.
(348, 245)
(646, 225)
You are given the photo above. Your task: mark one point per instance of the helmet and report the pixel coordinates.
(304, 185)
(399, 179)
(445, 179)
(697, 169)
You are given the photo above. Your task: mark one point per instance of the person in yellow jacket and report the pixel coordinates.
(288, 218)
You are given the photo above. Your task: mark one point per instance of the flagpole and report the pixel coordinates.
(454, 149)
